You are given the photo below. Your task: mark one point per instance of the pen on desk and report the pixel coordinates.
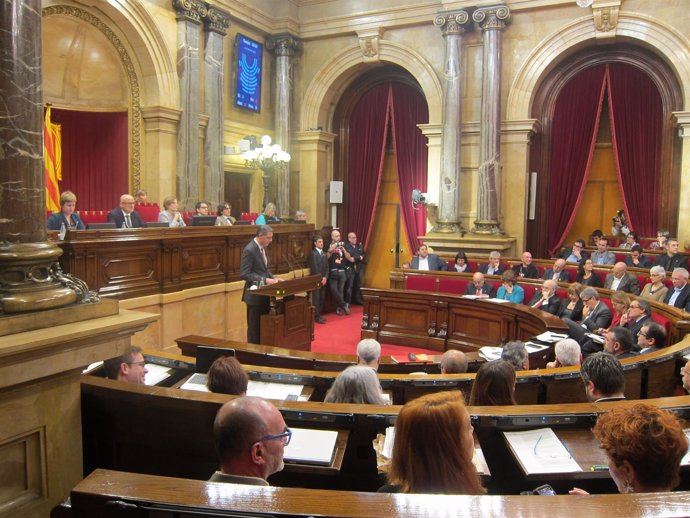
(537, 444)
(599, 467)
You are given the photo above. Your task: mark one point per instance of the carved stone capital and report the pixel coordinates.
(452, 23)
(492, 18)
(190, 10)
(283, 44)
(605, 16)
(369, 42)
(217, 20)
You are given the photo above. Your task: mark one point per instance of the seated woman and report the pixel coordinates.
(268, 216)
(433, 448)
(461, 264)
(644, 446)
(226, 376)
(224, 218)
(661, 238)
(171, 215)
(66, 216)
(655, 290)
(586, 275)
(357, 385)
(621, 303)
(494, 384)
(571, 307)
(509, 290)
(630, 240)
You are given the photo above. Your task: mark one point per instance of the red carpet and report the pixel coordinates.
(340, 335)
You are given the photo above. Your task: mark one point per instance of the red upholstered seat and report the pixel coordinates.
(455, 286)
(186, 216)
(530, 290)
(93, 216)
(608, 303)
(660, 319)
(148, 212)
(420, 283)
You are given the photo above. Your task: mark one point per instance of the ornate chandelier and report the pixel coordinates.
(267, 157)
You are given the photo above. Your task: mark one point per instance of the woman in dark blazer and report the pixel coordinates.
(66, 216)
(586, 275)
(571, 307)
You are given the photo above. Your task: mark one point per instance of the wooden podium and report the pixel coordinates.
(290, 321)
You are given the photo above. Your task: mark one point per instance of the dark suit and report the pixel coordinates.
(118, 217)
(57, 219)
(353, 286)
(318, 265)
(529, 272)
(599, 317)
(564, 276)
(435, 263)
(576, 314)
(628, 283)
(567, 253)
(644, 262)
(551, 306)
(253, 271)
(683, 300)
(636, 326)
(485, 269)
(487, 289)
(673, 262)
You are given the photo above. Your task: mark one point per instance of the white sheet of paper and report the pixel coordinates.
(685, 461)
(196, 382)
(550, 337)
(490, 353)
(156, 374)
(270, 390)
(541, 451)
(532, 347)
(311, 446)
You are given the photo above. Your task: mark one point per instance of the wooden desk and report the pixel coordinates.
(89, 498)
(125, 263)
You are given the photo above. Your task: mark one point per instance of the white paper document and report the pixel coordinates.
(550, 337)
(533, 347)
(156, 373)
(196, 382)
(490, 353)
(596, 338)
(541, 451)
(500, 301)
(311, 446)
(270, 390)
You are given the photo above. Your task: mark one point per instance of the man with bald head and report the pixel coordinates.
(125, 216)
(620, 280)
(546, 299)
(453, 362)
(250, 435)
(557, 272)
(479, 288)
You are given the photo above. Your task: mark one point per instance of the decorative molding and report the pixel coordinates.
(369, 42)
(217, 20)
(452, 23)
(606, 18)
(495, 18)
(190, 10)
(683, 123)
(130, 73)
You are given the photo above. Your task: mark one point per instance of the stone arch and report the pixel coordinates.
(644, 30)
(333, 78)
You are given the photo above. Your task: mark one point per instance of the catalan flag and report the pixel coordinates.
(52, 157)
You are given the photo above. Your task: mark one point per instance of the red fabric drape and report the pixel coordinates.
(95, 157)
(574, 130)
(368, 130)
(636, 125)
(408, 109)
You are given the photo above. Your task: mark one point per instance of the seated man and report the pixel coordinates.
(249, 435)
(639, 314)
(515, 353)
(651, 337)
(672, 259)
(201, 208)
(453, 362)
(685, 373)
(494, 266)
(479, 287)
(526, 268)
(575, 254)
(567, 353)
(426, 261)
(557, 273)
(130, 367)
(603, 377)
(636, 259)
(125, 216)
(679, 296)
(619, 342)
(546, 299)
(369, 353)
(598, 317)
(602, 254)
(300, 216)
(620, 280)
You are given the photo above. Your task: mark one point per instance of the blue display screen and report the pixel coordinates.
(248, 74)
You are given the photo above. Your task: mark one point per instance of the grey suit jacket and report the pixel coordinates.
(253, 270)
(435, 263)
(609, 258)
(599, 317)
(628, 283)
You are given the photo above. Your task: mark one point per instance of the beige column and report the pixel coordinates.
(683, 121)
(315, 150)
(160, 154)
(433, 134)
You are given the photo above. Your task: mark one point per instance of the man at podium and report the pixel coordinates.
(255, 273)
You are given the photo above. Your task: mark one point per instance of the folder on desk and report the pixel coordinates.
(311, 446)
(540, 451)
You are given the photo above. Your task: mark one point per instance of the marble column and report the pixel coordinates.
(217, 23)
(451, 24)
(284, 46)
(492, 21)
(28, 263)
(190, 14)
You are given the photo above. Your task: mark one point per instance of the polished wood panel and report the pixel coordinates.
(125, 263)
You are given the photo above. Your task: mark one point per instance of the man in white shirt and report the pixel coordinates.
(426, 261)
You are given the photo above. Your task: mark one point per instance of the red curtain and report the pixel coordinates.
(95, 157)
(367, 134)
(636, 125)
(409, 109)
(574, 130)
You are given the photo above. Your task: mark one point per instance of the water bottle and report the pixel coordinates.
(63, 231)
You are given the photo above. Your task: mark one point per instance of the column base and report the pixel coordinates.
(488, 227)
(447, 227)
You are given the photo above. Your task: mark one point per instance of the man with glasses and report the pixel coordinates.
(250, 435)
(679, 296)
(619, 342)
(201, 208)
(575, 254)
(597, 315)
(651, 337)
(125, 216)
(130, 367)
(639, 314)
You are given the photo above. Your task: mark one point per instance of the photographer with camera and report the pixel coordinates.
(620, 224)
(353, 295)
(339, 260)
